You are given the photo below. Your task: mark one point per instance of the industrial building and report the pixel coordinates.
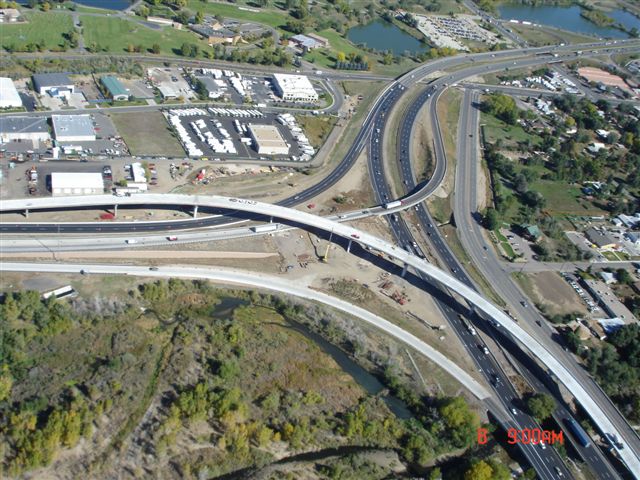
(295, 88)
(55, 84)
(9, 97)
(73, 128)
(211, 85)
(268, 140)
(24, 128)
(76, 183)
(115, 89)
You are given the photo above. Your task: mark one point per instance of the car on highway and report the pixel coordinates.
(131, 240)
(559, 472)
(543, 446)
(524, 304)
(485, 350)
(153, 269)
(514, 411)
(172, 238)
(355, 235)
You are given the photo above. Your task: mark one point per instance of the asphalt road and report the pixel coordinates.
(466, 217)
(379, 112)
(544, 461)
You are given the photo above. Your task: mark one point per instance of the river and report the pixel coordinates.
(366, 380)
(568, 18)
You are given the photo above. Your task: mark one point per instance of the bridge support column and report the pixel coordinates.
(115, 210)
(270, 219)
(26, 213)
(195, 211)
(404, 270)
(349, 246)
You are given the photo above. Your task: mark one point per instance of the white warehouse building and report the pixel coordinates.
(295, 88)
(9, 97)
(76, 183)
(268, 140)
(73, 128)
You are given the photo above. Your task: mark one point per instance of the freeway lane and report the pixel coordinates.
(546, 462)
(465, 208)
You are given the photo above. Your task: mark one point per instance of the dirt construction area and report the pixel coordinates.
(548, 288)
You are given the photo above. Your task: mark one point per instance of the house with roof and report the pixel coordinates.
(531, 232)
(602, 239)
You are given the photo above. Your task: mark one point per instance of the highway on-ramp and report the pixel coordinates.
(435, 276)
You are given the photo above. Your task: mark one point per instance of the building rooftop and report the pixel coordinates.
(297, 83)
(599, 238)
(8, 92)
(209, 83)
(76, 180)
(72, 125)
(609, 301)
(267, 135)
(23, 124)
(50, 80)
(209, 31)
(113, 85)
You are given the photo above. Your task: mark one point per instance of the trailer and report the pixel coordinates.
(390, 205)
(271, 227)
(578, 432)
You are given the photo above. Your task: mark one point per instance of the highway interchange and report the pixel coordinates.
(543, 460)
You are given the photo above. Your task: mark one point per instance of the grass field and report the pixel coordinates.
(510, 135)
(546, 36)
(316, 128)
(272, 17)
(115, 34)
(147, 133)
(46, 28)
(563, 199)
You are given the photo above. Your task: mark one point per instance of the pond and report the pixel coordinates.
(568, 18)
(381, 35)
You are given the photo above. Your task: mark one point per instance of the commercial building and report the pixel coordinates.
(55, 84)
(115, 89)
(73, 128)
(267, 140)
(308, 42)
(24, 128)
(295, 88)
(609, 302)
(9, 97)
(76, 183)
(216, 34)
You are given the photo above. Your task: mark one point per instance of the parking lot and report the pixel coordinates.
(199, 122)
(591, 303)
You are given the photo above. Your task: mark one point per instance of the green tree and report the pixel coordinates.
(541, 406)
(6, 383)
(199, 17)
(155, 48)
(491, 219)
(387, 58)
(479, 471)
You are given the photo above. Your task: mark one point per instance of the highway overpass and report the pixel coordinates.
(439, 277)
